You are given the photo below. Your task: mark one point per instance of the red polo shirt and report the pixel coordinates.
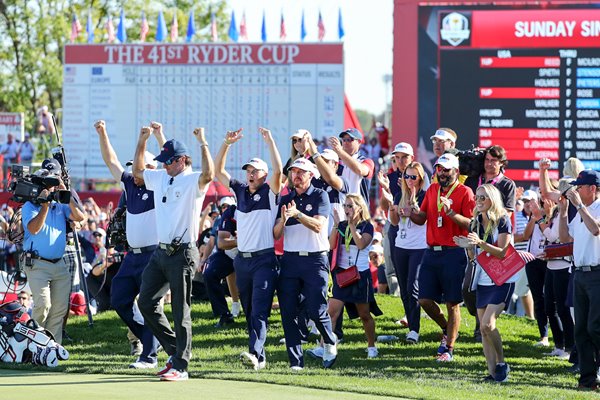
(463, 203)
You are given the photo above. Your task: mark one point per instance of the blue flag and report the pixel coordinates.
(161, 28)
(89, 28)
(302, 28)
(233, 30)
(341, 32)
(191, 28)
(121, 32)
(263, 30)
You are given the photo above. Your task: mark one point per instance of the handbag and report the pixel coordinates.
(349, 276)
(469, 281)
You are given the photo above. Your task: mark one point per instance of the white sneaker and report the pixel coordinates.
(317, 352)
(541, 343)
(372, 352)
(250, 360)
(138, 364)
(236, 308)
(296, 368)
(559, 353)
(330, 353)
(412, 337)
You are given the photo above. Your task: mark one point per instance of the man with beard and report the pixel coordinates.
(448, 206)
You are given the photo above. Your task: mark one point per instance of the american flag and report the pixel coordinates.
(282, 32)
(243, 31)
(145, 28)
(213, 28)
(110, 29)
(174, 29)
(321, 27)
(75, 28)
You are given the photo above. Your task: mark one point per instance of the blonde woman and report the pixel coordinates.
(299, 149)
(353, 238)
(490, 232)
(410, 244)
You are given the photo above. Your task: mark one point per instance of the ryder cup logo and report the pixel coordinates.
(455, 28)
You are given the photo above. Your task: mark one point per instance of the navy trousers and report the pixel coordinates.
(256, 279)
(406, 264)
(219, 267)
(125, 287)
(308, 275)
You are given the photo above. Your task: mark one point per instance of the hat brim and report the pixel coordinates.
(162, 157)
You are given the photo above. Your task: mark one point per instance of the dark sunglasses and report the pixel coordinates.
(172, 160)
(348, 205)
(372, 256)
(442, 169)
(412, 177)
(296, 140)
(481, 197)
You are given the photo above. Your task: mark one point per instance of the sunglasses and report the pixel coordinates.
(373, 256)
(411, 177)
(442, 169)
(172, 160)
(296, 140)
(348, 205)
(481, 197)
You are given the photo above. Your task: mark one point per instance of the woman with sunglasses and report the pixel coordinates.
(410, 244)
(299, 149)
(490, 232)
(353, 237)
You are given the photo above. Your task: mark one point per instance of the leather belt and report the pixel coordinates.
(140, 250)
(188, 245)
(50, 260)
(441, 248)
(306, 253)
(250, 254)
(588, 268)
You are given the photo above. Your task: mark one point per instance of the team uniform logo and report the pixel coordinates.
(256, 197)
(309, 208)
(455, 29)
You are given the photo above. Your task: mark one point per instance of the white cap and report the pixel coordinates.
(443, 135)
(299, 133)
(377, 236)
(305, 165)
(329, 154)
(148, 160)
(447, 161)
(376, 249)
(405, 148)
(227, 200)
(258, 164)
(529, 195)
(100, 231)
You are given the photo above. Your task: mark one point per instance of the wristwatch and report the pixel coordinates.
(315, 156)
(580, 206)
(298, 215)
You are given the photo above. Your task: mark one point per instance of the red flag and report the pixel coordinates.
(321, 28)
(145, 28)
(213, 28)
(75, 28)
(282, 33)
(110, 29)
(243, 31)
(174, 29)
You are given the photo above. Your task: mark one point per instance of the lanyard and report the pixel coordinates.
(347, 237)
(493, 181)
(487, 232)
(440, 205)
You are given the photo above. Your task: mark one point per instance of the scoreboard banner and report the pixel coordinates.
(12, 122)
(523, 77)
(283, 87)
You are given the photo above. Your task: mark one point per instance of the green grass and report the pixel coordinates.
(402, 370)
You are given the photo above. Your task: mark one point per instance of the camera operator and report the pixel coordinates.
(142, 239)
(45, 227)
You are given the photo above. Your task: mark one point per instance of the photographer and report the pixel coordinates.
(45, 225)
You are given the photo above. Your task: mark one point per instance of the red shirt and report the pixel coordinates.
(463, 203)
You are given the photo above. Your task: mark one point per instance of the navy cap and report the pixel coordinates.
(354, 134)
(587, 177)
(52, 166)
(172, 148)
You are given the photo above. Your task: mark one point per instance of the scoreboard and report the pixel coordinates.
(283, 87)
(522, 77)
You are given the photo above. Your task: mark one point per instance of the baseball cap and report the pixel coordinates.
(329, 154)
(100, 231)
(448, 161)
(376, 249)
(353, 133)
(405, 148)
(299, 133)
(227, 200)
(587, 177)
(529, 195)
(172, 148)
(149, 159)
(305, 165)
(443, 134)
(377, 236)
(258, 164)
(52, 166)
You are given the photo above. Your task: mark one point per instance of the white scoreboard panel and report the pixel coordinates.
(283, 87)
(14, 123)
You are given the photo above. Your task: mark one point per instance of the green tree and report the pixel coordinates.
(34, 33)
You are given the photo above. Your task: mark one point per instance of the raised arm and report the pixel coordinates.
(328, 174)
(275, 182)
(208, 169)
(108, 152)
(157, 131)
(138, 161)
(230, 138)
(356, 166)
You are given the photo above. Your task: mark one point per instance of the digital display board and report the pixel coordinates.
(523, 77)
(221, 87)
